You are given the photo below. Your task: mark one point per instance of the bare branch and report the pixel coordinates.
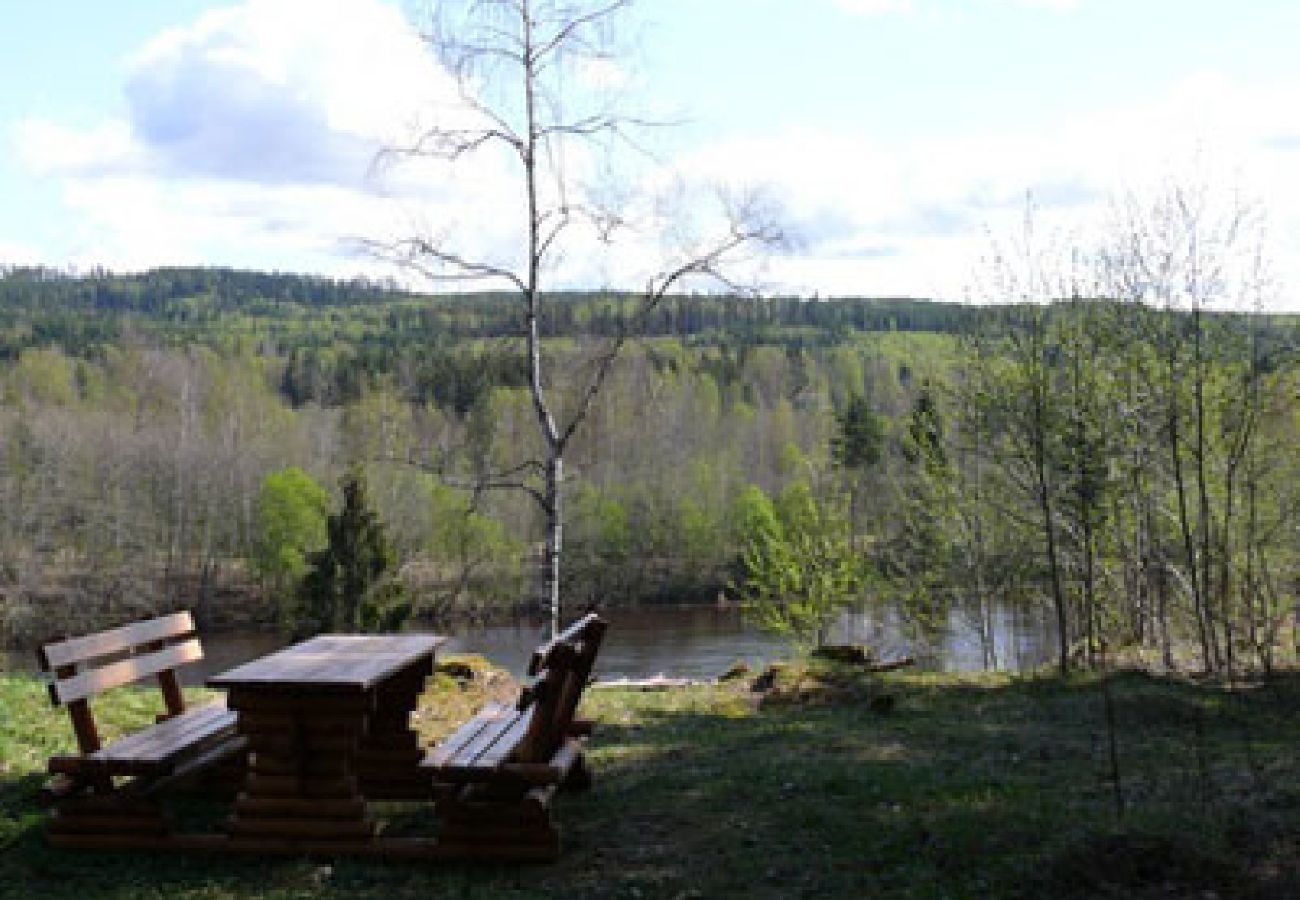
(505, 480)
(432, 262)
(561, 37)
(708, 264)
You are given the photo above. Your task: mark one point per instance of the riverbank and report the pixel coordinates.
(831, 783)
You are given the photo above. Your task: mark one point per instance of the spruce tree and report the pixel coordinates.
(349, 585)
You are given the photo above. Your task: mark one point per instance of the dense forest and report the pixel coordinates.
(1130, 469)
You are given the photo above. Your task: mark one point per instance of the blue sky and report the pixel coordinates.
(895, 134)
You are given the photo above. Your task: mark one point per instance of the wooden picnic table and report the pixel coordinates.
(328, 729)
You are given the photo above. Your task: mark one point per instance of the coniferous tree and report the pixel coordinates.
(349, 585)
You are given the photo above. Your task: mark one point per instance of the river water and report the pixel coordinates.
(702, 642)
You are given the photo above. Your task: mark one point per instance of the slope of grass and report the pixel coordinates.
(835, 785)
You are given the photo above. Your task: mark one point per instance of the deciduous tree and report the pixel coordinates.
(519, 64)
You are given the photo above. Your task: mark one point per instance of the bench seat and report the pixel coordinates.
(537, 740)
(480, 746)
(158, 749)
(496, 774)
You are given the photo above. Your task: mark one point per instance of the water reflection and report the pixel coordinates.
(702, 642)
(684, 641)
(963, 638)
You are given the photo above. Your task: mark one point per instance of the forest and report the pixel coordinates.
(181, 434)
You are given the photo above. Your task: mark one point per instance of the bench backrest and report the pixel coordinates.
(82, 667)
(562, 668)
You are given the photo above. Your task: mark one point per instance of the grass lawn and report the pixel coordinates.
(837, 785)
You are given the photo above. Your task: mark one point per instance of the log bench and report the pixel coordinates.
(496, 775)
(105, 791)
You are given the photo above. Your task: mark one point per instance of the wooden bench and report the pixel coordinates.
(498, 772)
(180, 744)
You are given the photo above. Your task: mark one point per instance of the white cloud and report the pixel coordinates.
(872, 8)
(16, 253)
(875, 7)
(1057, 6)
(884, 216)
(603, 74)
(248, 137)
(47, 148)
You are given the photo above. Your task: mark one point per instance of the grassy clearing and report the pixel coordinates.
(836, 785)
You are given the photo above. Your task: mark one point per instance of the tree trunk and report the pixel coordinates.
(1044, 486)
(1184, 516)
(554, 540)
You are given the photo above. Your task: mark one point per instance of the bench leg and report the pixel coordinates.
(579, 777)
(80, 820)
(482, 820)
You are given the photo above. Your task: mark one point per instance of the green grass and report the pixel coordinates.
(837, 785)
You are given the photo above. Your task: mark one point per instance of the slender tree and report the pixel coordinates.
(519, 65)
(856, 446)
(1184, 254)
(349, 585)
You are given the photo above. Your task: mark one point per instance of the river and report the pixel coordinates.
(702, 642)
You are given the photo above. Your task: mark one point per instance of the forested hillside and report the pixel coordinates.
(1080, 455)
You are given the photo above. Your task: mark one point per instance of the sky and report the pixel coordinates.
(896, 141)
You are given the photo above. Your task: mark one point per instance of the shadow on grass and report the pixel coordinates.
(987, 788)
(999, 787)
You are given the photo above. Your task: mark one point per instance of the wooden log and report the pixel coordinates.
(289, 745)
(551, 772)
(392, 740)
(116, 841)
(201, 765)
(265, 764)
(157, 842)
(120, 823)
(492, 834)
(386, 756)
(409, 789)
(101, 770)
(255, 720)
(301, 786)
(294, 807)
(502, 813)
(295, 704)
(313, 829)
(91, 804)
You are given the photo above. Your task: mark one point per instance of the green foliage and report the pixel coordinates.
(151, 454)
(470, 548)
(754, 518)
(925, 437)
(799, 568)
(350, 585)
(859, 441)
(599, 543)
(44, 375)
(958, 786)
(291, 513)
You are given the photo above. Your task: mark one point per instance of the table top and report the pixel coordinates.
(332, 662)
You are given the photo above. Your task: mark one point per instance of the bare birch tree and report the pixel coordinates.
(1187, 254)
(519, 65)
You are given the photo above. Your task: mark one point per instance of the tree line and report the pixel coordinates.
(1127, 467)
